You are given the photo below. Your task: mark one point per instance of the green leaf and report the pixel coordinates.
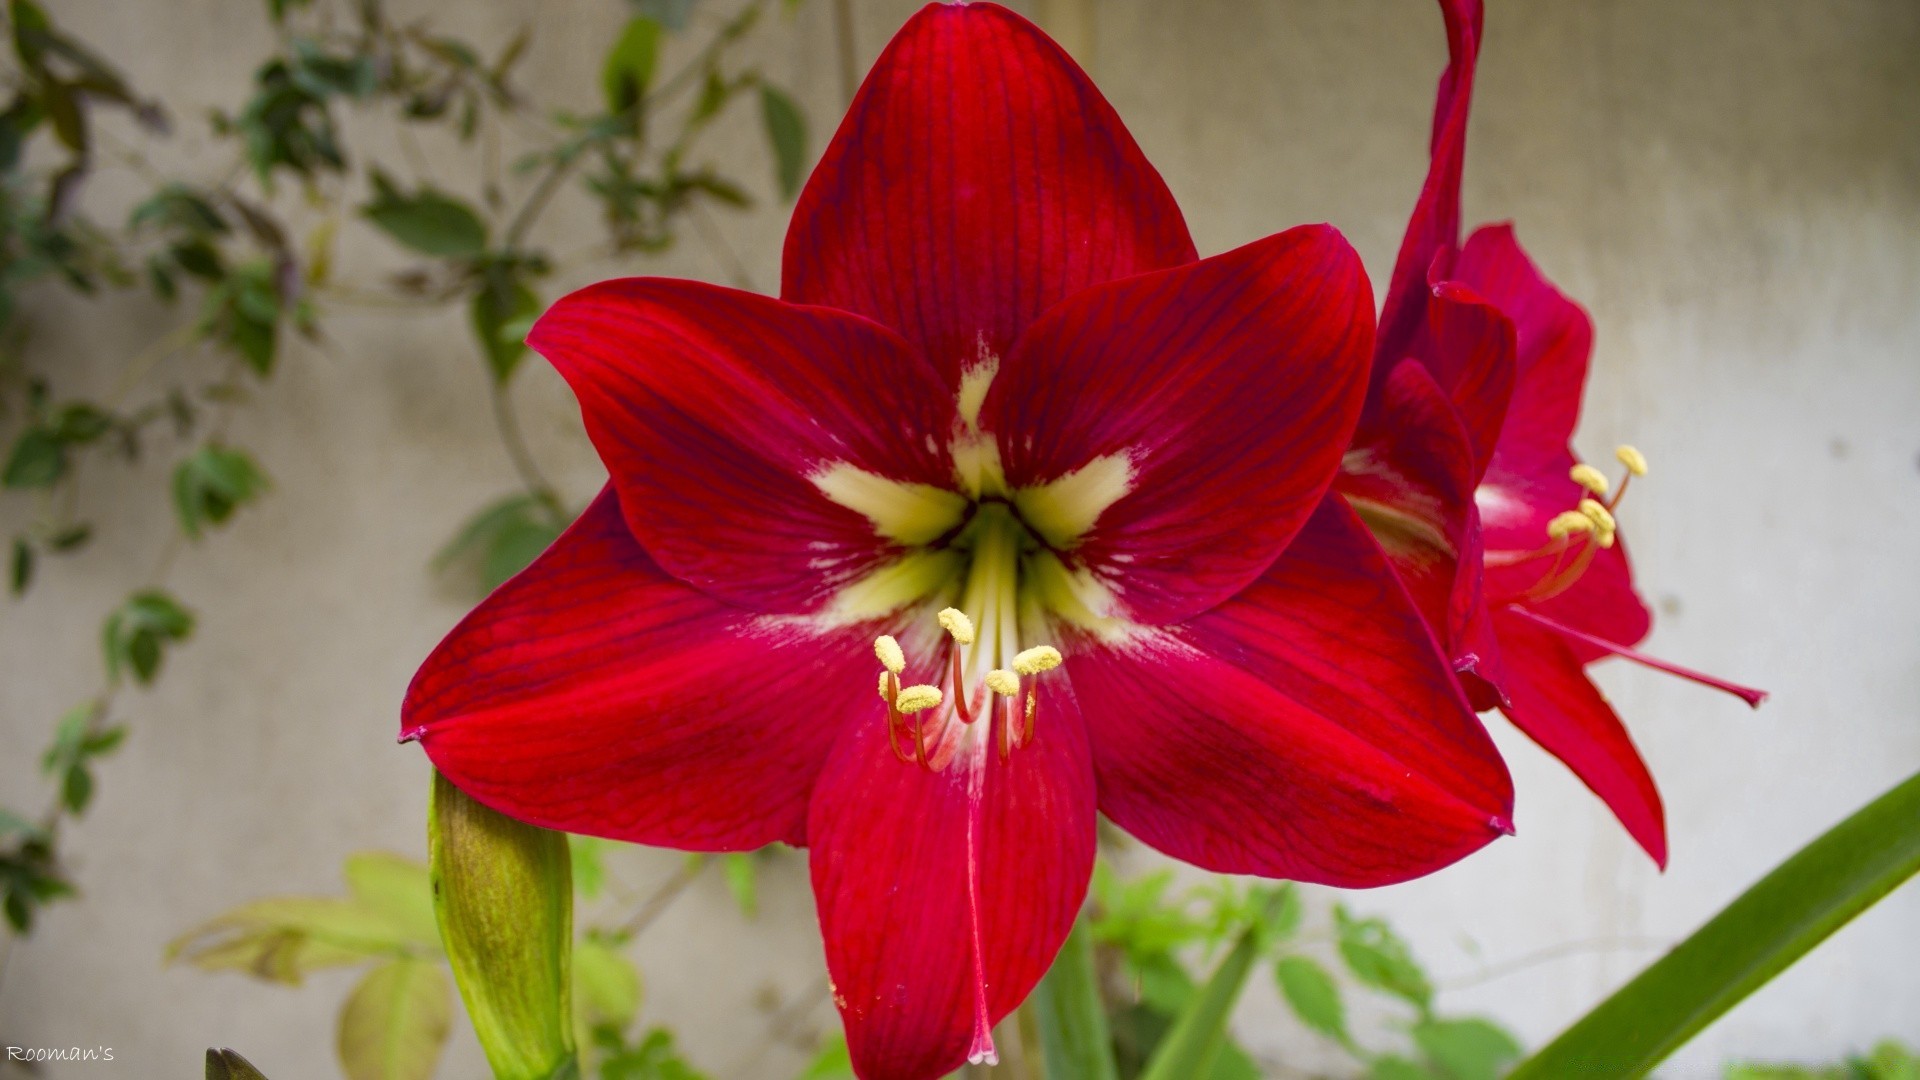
(1193, 1045)
(1756, 937)
(501, 313)
(429, 222)
(76, 788)
(1378, 957)
(227, 1065)
(741, 881)
(135, 635)
(1392, 1067)
(835, 1062)
(398, 889)
(1069, 1013)
(1471, 1049)
(395, 1022)
(1313, 995)
(630, 64)
(589, 864)
(606, 985)
(787, 133)
(211, 484)
(38, 459)
(504, 895)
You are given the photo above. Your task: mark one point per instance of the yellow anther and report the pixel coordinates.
(918, 698)
(1601, 517)
(884, 676)
(1634, 460)
(1568, 522)
(1036, 660)
(1004, 683)
(1589, 477)
(955, 622)
(891, 658)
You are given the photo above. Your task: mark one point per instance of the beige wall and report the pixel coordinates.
(1733, 188)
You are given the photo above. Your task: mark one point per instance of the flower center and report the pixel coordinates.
(1576, 536)
(977, 699)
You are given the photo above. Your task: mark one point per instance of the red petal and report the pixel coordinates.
(713, 408)
(978, 178)
(1553, 338)
(1306, 729)
(944, 896)
(1435, 223)
(1412, 484)
(1558, 707)
(1472, 345)
(594, 693)
(1229, 387)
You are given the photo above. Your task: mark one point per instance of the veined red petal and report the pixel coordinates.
(944, 895)
(1222, 392)
(1554, 702)
(1553, 338)
(718, 412)
(1412, 485)
(977, 180)
(597, 694)
(1472, 346)
(1308, 728)
(1435, 222)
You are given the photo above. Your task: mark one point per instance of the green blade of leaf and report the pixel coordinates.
(1200, 1031)
(1068, 1011)
(630, 64)
(430, 223)
(503, 891)
(1469, 1049)
(395, 1022)
(1756, 937)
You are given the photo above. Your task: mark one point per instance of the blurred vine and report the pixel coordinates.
(242, 266)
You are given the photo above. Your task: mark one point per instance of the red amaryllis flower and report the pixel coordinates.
(1007, 445)
(1462, 466)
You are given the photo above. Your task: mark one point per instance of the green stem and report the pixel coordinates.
(1072, 1020)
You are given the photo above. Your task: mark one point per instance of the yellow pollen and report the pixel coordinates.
(888, 650)
(1601, 517)
(1634, 460)
(913, 699)
(955, 622)
(1589, 477)
(1004, 683)
(1568, 522)
(1036, 660)
(884, 676)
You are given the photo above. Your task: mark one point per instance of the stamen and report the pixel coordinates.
(1603, 524)
(1004, 683)
(1033, 712)
(1036, 660)
(1589, 477)
(955, 622)
(1567, 523)
(917, 698)
(1634, 460)
(886, 686)
(888, 650)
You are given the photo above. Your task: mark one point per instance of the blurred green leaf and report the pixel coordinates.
(1394, 1067)
(606, 985)
(630, 64)
(38, 459)
(833, 1062)
(427, 221)
(501, 312)
(395, 1023)
(1192, 1047)
(20, 573)
(589, 865)
(501, 539)
(397, 888)
(787, 133)
(211, 484)
(228, 1065)
(1070, 1015)
(136, 635)
(742, 881)
(1313, 995)
(1378, 957)
(1771, 925)
(1470, 1049)
(504, 894)
(655, 1057)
